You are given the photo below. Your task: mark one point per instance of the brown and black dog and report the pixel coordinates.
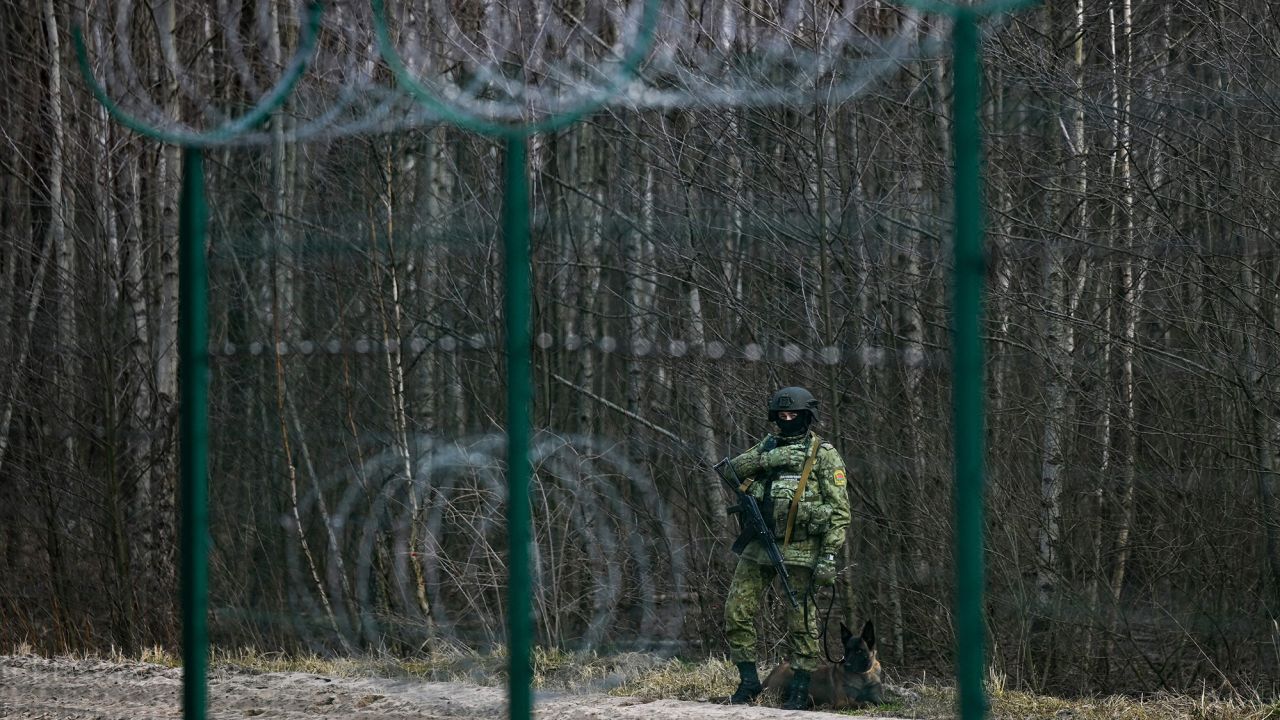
(853, 682)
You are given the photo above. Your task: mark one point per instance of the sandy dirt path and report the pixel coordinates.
(33, 688)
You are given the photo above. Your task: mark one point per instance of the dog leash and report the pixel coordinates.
(811, 595)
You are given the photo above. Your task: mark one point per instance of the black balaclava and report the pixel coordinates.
(799, 426)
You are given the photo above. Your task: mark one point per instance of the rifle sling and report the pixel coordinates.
(795, 500)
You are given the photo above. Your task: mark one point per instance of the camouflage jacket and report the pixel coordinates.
(823, 512)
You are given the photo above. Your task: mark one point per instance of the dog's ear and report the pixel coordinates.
(869, 635)
(845, 634)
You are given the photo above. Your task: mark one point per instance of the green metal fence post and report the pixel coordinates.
(193, 356)
(515, 223)
(967, 377)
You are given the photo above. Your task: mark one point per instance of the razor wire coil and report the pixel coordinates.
(519, 67)
(437, 505)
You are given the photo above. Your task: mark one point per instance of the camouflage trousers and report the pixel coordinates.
(750, 580)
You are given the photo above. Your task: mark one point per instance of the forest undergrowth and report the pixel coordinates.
(651, 677)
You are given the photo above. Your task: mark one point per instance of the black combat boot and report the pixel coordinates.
(798, 692)
(749, 686)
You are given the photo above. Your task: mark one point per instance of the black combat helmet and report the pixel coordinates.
(792, 398)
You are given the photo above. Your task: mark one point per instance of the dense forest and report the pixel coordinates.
(688, 258)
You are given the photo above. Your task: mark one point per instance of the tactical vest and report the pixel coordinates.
(776, 490)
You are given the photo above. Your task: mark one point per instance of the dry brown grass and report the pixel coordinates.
(552, 669)
(654, 678)
(932, 701)
(679, 680)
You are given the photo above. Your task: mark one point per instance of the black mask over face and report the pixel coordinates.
(797, 426)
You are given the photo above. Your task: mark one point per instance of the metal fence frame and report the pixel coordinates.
(969, 271)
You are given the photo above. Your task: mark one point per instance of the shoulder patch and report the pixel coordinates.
(827, 446)
(838, 477)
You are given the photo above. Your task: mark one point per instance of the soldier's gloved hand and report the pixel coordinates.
(777, 458)
(824, 572)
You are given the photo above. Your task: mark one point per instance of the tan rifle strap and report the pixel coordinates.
(804, 479)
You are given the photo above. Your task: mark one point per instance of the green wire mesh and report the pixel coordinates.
(510, 79)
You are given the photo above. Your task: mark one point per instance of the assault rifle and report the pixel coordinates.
(754, 526)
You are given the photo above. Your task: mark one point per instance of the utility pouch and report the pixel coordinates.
(782, 494)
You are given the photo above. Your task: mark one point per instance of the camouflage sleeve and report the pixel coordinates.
(835, 494)
(748, 463)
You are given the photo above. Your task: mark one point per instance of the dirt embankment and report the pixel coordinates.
(34, 688)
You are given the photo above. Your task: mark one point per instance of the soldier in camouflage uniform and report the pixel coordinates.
(816, 526)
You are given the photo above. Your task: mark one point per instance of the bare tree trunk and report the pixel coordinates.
(702, 391)
(104, 197)
(641, 283)
(704, 410)
(824, 145)
(590, 213)
(908, 563)
(893, 561)
(392, 318)
(291, 467)
(12, 225)
(739, 195)
(1059, 347)
(160, 564)
(56, 244)
(23, 346)
(435, 201)
(64, 248)
(852, 189)
(169, 173)
(1098, 494)
(117, 577)
(10, 257)
(1060, 342)
(1132, 282)
(1103, 306)
(911, 332)
(1267, 429)
(138, 368)
(1003, 270)
(1262, 425)
(277, 245)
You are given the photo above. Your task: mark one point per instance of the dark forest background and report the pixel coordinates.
(687, 262)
